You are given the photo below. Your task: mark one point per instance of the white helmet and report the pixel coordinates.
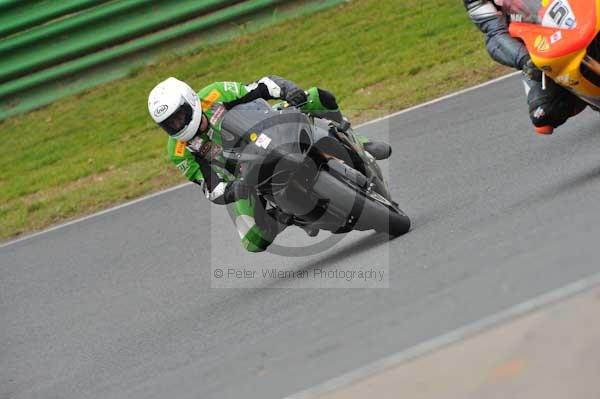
(174, 105)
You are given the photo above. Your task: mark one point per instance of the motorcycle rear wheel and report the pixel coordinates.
(370, 211)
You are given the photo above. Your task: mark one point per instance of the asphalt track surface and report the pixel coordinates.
(120, 305)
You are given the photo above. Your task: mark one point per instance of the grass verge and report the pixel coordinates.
(99, 148)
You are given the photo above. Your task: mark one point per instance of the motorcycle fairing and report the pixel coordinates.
(554, 47)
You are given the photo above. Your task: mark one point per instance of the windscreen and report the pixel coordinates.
(556, 14)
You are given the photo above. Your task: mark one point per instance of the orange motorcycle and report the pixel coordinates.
(562, 39)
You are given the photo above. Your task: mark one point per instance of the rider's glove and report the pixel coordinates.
(296, 96)
(531, 71)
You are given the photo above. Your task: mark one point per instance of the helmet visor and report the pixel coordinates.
(178, 120)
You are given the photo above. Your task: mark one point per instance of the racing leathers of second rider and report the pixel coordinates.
(549, 106)
(193, 123)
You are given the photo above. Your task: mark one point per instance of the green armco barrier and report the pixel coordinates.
(82, 43)
(133, 46)
(18, 15)
(97, 33)
(46, 32)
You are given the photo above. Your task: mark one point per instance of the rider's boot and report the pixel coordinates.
(547, 130)
(310, 231)
(284, 220)
(550, 105)
(378, 149)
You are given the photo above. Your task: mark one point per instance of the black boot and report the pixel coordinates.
(310, 231)
(275, 221)
(284, 220)
(378, 149)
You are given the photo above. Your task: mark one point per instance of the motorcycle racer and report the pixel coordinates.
(193, 122)
(550, 106)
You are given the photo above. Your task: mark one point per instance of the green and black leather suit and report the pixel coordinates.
(201, 159)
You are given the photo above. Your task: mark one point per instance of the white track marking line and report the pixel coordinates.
(444, 340)
(440, 99)
(93, 215)
(126, 204)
